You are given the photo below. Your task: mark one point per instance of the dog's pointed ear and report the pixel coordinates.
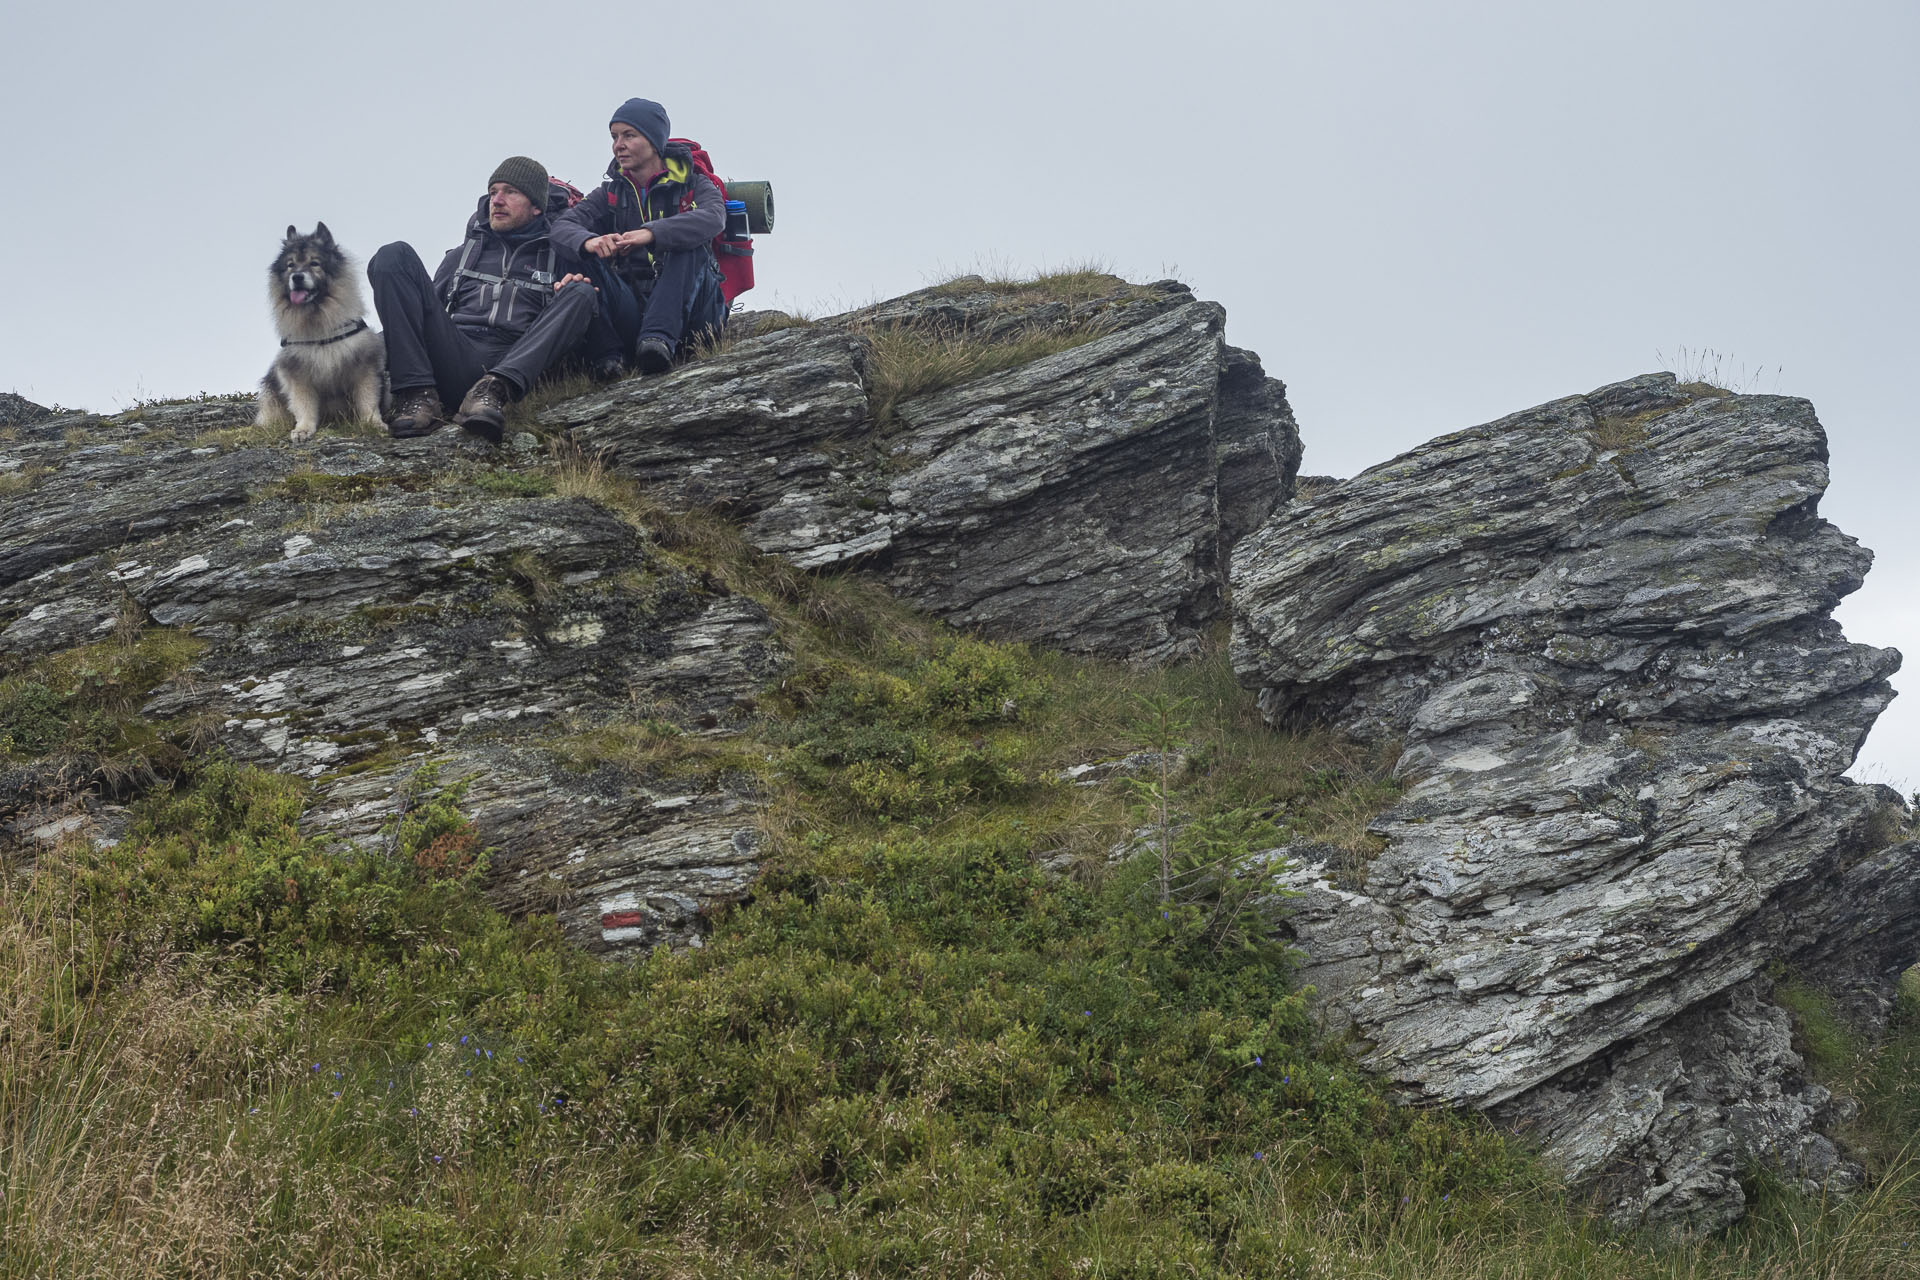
(292, 231)
(320, 231)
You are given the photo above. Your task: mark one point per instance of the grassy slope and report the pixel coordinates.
(223, 1052)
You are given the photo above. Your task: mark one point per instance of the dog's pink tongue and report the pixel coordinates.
(296, 296)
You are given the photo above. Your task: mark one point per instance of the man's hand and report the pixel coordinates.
(603, 246)
(568, 279)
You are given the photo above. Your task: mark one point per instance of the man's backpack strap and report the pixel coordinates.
(453, 281)
(540, 280)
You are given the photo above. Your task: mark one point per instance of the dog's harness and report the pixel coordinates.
(345, 333)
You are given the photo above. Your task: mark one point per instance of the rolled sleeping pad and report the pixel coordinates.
(758, 197)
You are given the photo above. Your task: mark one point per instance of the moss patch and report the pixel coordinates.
(321, 486)
(85, 700)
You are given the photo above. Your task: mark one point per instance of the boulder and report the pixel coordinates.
(1600, 633)
(1083, 499)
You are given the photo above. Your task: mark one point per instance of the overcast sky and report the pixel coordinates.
(1421, 215)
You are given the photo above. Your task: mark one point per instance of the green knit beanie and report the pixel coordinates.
(528, 177)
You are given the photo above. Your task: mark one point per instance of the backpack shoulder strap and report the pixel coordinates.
(540, 281)
(703, 165)
(460, 272)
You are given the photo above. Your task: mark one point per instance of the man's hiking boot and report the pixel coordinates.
(484, 411)
(418, 413)
(653, 356)
(609, 369)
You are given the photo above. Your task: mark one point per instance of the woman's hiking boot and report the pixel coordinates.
(418, 413)
(653, 356)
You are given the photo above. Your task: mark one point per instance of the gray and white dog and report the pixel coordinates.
(331, 365)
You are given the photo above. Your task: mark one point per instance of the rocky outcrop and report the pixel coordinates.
(1600, 631)
(363, 608)
(1082, 500)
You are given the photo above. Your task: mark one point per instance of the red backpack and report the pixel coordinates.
(734, 256)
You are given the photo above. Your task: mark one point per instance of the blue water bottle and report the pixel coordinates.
(736, 220)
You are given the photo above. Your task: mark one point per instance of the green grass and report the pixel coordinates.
(229, 1053)
(228, 1050)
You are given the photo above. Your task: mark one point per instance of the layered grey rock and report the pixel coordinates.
(1082, 500)
(1601, 631)
(367, 608)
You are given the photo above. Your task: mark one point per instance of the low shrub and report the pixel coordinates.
(218, 865)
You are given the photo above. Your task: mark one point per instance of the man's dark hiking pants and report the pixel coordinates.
(680, 304)
(425, 348)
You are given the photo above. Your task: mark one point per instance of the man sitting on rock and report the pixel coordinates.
(494, 317)
(646, 237)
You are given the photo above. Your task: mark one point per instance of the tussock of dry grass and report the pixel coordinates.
(521, 414)
(648, 746)
(906, 362)
(701, 538)
(111, 1155)
(912, 360)
(247, 437)
(1704, 371)
(1075, 284)
(25, 480)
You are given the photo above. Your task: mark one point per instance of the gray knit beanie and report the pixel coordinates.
(648, 118)
(528, 177)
